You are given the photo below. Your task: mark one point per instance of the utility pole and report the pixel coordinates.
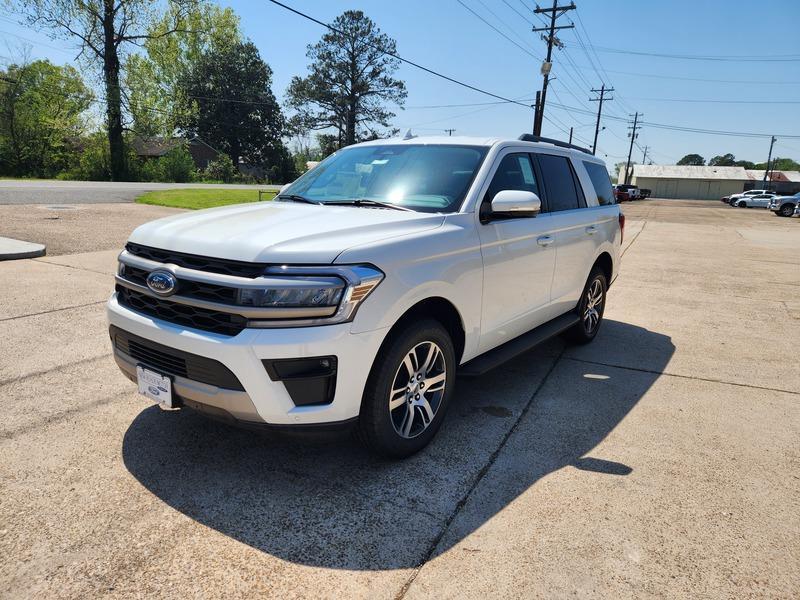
(632, 135)
(602, 97)
(644, 156)
(570, 135)
(769, 159)
(449, 131)
(551, 40)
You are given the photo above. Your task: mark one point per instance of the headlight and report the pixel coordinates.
(320, 295)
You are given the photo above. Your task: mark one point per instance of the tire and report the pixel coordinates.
(586, 330)
(741, 204)
(390, 399)
(787, 210)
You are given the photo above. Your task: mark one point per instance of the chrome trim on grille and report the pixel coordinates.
(235, 309)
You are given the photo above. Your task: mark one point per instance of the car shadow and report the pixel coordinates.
(328, 502)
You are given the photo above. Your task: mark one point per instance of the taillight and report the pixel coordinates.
(621, 226)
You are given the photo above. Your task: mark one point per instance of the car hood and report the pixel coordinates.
(280, 232)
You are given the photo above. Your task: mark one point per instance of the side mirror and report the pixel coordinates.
(516, 203)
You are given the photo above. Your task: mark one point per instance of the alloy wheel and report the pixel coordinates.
(593, 306)
(418, 389)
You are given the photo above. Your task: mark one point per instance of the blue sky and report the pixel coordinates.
(445, 36)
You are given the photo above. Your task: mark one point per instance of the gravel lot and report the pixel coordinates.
(660, 461)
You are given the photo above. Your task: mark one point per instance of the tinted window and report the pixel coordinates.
(514, 173)
(558, 182)
(601, 182)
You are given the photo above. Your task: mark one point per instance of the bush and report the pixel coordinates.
(222, 168)
(176, 165)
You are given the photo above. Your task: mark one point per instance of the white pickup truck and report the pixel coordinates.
(355, 296)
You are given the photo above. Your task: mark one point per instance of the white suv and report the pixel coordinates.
(353, 297)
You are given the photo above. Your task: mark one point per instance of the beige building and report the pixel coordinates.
(689, 182)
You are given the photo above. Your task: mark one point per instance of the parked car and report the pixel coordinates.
(784, 206)
(734, 197)
(756, 201)
(632, 191)
(644, 193)
(353, 297)
(619, 195)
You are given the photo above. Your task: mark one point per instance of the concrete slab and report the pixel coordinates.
(622, 484)
(103, 261)
(30, 287)
(11, 249)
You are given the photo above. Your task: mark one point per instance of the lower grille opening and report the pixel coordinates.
(181, 314)
(170, 361)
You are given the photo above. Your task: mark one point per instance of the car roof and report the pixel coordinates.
(488, 142)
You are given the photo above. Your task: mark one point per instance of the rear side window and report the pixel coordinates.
(559, 182)
(601, 182)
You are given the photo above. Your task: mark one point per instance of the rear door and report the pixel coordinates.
(577, 229)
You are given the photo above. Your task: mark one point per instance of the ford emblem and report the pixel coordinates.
(162, 283)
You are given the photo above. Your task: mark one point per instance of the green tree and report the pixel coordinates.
(42, 112)
(745, 163)
(156, 99)
(725, 160)
(235, 109)
(692, 159)
(105, 29)
(780, 164)
(350, 81)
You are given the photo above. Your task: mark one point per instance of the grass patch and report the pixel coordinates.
(201, 198)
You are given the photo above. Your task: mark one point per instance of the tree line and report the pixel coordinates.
(184, 69)
(729, 160)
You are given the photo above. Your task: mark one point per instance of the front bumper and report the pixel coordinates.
(260, 399)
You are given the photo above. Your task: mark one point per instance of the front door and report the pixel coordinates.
(518, 260)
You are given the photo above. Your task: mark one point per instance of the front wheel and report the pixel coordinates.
(590, 309)
(787, 210)
(741, 204)
(408, 390)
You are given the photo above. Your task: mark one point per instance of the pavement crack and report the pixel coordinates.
(58, 417)
(57, 264)
(476, 481)
(27, 376)
(635, 237)
(52, 310)
(692, 377)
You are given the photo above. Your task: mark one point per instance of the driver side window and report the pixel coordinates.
(514, 173)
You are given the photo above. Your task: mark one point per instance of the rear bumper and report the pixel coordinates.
(259, 400)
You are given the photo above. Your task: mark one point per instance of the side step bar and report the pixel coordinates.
(513, 348)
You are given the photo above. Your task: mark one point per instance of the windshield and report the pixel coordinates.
(431, 178)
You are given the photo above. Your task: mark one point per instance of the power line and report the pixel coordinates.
(727, 58)
(704, 79)
(400, 58)
(520, 46)
(712, 101)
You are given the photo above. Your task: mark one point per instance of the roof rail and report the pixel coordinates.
(529, 137)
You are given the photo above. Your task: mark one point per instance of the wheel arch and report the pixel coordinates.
(606, 263)
(439, 309)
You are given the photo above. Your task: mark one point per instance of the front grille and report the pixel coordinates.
(199, 263)
(170, 361)
(181, 314)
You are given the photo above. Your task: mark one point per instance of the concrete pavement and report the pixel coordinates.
(659, 461)
(42, 191)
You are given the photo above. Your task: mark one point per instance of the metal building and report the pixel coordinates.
(689, 182)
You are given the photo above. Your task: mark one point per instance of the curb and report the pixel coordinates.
(11, 249)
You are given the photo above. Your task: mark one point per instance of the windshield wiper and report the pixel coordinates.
(298, 198)
(368, 202)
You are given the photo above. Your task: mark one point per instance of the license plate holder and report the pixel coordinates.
(155, 386)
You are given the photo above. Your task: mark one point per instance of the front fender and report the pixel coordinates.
(444, 263)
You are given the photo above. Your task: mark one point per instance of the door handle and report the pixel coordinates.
(591, 230)
(545, 240)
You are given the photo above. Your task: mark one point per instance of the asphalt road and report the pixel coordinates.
(92, 192)
(659, 461)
